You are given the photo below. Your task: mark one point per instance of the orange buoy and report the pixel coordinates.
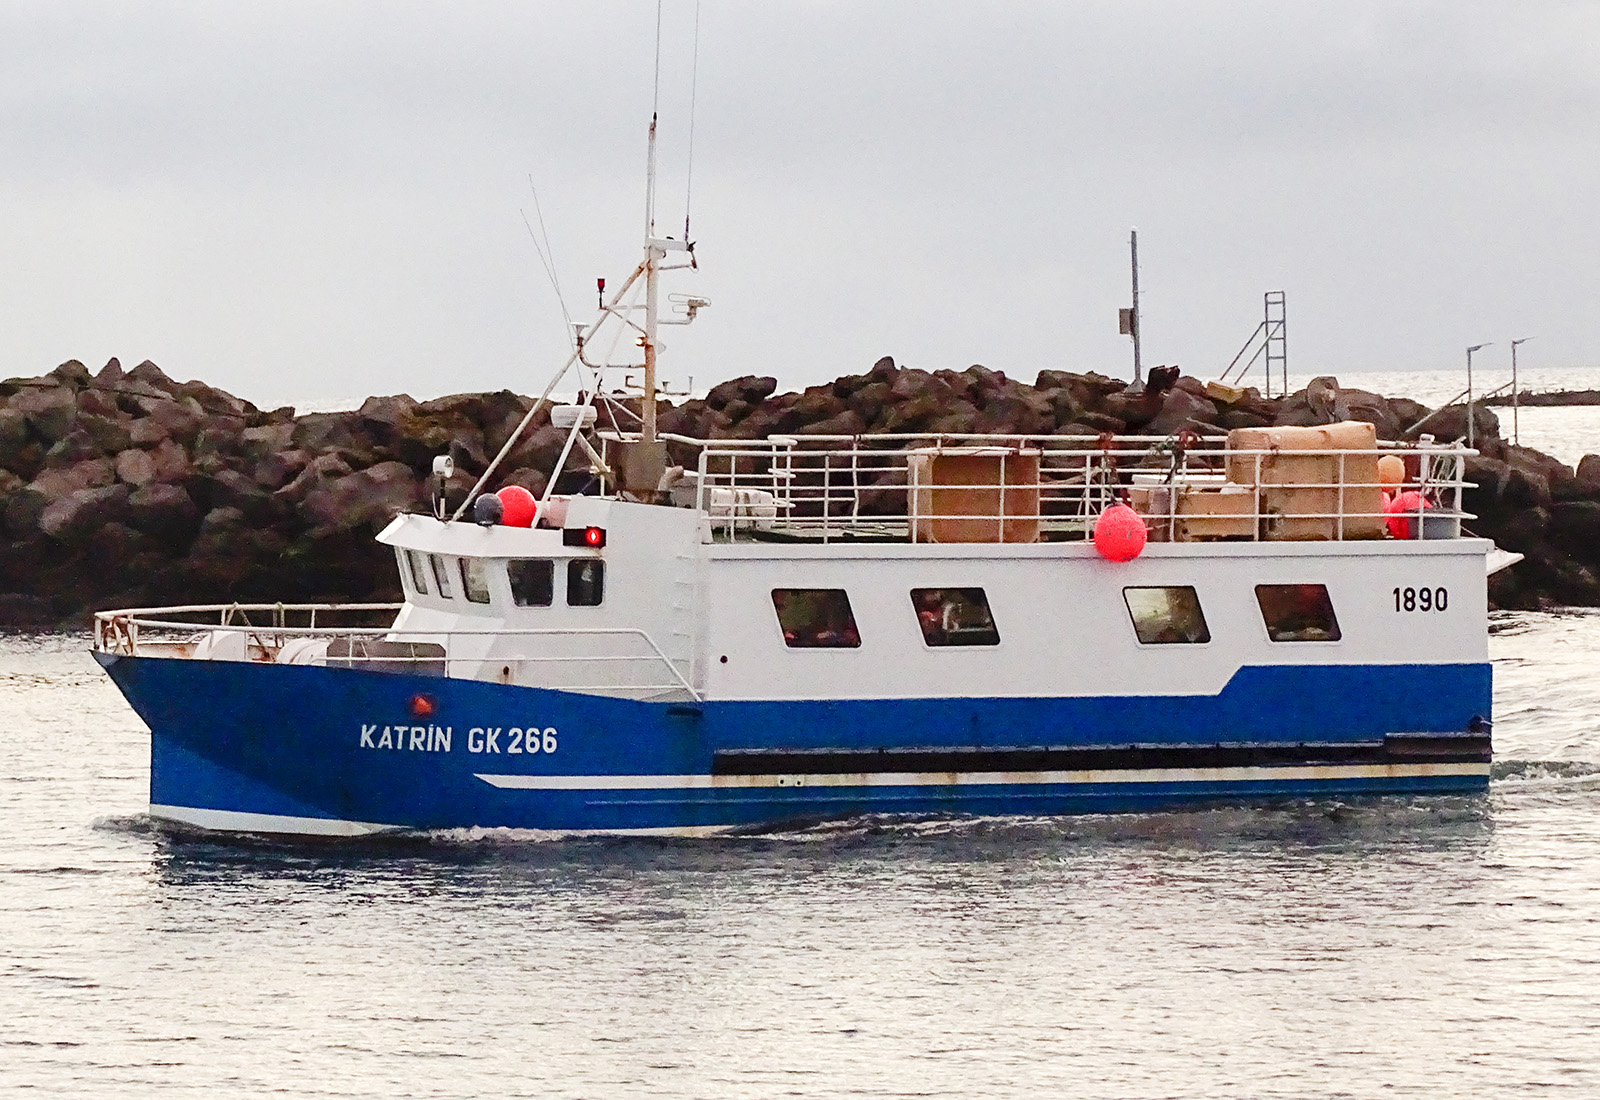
(1119, 533)
(1402, 510)
(1391, 472)
(518, 506)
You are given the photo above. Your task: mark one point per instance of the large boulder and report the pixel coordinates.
(361, 501)
(136, 467)
(1182, 409)
(1370, 408)
(751, 389)
(72, 519)
(163, 511)
(49, 410)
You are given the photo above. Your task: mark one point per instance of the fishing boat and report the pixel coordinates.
(744, 634)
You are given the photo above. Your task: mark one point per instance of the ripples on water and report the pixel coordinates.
(1431, 947)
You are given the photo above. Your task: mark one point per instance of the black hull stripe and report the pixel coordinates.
(1471, 748)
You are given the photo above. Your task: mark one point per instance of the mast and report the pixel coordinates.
(647, 431)
(1133, 250)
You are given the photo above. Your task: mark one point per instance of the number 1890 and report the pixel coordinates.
(1421, 599)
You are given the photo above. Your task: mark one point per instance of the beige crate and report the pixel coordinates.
(974, 494)
(1227, 512)
(1303, 496)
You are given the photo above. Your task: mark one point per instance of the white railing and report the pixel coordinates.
(936, 488)
(226, 632)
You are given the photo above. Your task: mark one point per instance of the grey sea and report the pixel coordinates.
(1442, 947)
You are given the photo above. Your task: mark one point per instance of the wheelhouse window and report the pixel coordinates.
(475, 579)
(816, 618)
(1167, 615)
(441, 575)
(1297, 612)
(586, 582)
(954, 616)
(533, 582)
(419, 572)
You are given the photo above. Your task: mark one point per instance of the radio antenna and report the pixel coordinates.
(694, 83)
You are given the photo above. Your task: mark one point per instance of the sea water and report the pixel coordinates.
(1428, 947)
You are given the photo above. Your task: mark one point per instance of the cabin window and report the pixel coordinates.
(1297, 612)
(475, 579)
(533, 582)
(1166, 616)
(419, 573)
(816, 618)
(586, 582)
(441, 575)
(954, 616)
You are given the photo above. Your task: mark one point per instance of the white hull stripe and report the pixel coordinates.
(979, 779)
(238, 821)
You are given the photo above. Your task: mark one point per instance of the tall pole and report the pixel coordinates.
(1516, 393)
(647, 430)
(1470, 426)
(1133, 251)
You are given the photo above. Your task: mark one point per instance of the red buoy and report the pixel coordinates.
(1402, 510)
(518, 506)
(1119, 533)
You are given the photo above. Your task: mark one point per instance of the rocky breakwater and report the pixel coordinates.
(126, 488)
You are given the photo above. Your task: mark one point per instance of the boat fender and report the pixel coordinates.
(1119, 533)
(487, 511)
(518, 506)
(1402, 510)
(1391, 472)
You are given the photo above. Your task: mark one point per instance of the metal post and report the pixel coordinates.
(1133, 251)
(1470, 429)
(647, 407)
(1516, 394)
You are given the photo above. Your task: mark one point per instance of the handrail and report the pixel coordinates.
(829, 486)
(123, 626)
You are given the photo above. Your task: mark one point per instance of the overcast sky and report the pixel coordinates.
(311, 200)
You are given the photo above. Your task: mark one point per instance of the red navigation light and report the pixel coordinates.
(592, 537)
(421, 706)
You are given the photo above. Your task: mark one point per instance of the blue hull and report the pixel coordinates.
(309, 744)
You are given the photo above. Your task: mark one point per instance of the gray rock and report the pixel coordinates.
(148, 374)
(277, 470)
(50, 411)
(13, 432)
(136, 467)
(72, 374)
(70, 449)
(64, 481)
(1181, 409)
(163, 511)
(751, 389)
(21, 514)
(172, 462)
(257, 443)
(318, 471)
(1589, 469)
(365, 500)
(111, 375)
(1370, 408)
(74, 518)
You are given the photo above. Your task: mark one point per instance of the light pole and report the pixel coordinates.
(1516, 395)
(1473, 348)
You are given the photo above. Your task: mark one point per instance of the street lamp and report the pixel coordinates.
(1473, 348)
(1516, 396)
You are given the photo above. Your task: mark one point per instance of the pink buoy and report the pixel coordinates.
(518, 506)
(1119, 533)
(1402, 513)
